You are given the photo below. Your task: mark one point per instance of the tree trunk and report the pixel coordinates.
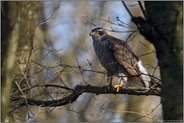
(166, 19)
(18, 28)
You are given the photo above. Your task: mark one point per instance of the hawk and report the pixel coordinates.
(118, 59)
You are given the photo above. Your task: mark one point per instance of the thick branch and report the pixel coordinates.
(80, 89)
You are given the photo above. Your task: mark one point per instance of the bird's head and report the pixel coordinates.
(98, 33)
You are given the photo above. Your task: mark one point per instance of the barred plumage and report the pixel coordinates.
(117, 57)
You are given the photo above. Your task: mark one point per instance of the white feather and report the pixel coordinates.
(144, 74)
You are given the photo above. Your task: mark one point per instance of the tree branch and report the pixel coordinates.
(144, 26)
(80, 89)
(142, 8)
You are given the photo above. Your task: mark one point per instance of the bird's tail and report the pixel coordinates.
(144, 74)
(147, 79)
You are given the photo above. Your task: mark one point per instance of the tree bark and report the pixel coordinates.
(166, 21)
(9, 47)
(18, 28)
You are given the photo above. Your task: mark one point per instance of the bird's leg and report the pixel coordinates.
(109, 80)
(123, 81)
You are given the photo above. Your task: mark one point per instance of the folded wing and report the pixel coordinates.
(128, 60)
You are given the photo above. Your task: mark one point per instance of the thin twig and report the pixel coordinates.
(81, 71)
(155, 69)
(127, 9)
(142, 9)
(147, 53)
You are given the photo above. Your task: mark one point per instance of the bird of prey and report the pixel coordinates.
(118, 59)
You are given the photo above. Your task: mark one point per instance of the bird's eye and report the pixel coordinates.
(100, 33)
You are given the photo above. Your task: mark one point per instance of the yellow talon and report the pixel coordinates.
(117, 87)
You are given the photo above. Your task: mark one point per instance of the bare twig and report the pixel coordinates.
(155, 69)
(127, 9)
(113, 23)
(148, 114)
(141, 115)
(132, 17)
(131, 36)
(147, 53)
(142, 9)
(81, 71)
(125, 24)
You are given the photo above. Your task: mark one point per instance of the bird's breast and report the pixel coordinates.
(105, 55)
